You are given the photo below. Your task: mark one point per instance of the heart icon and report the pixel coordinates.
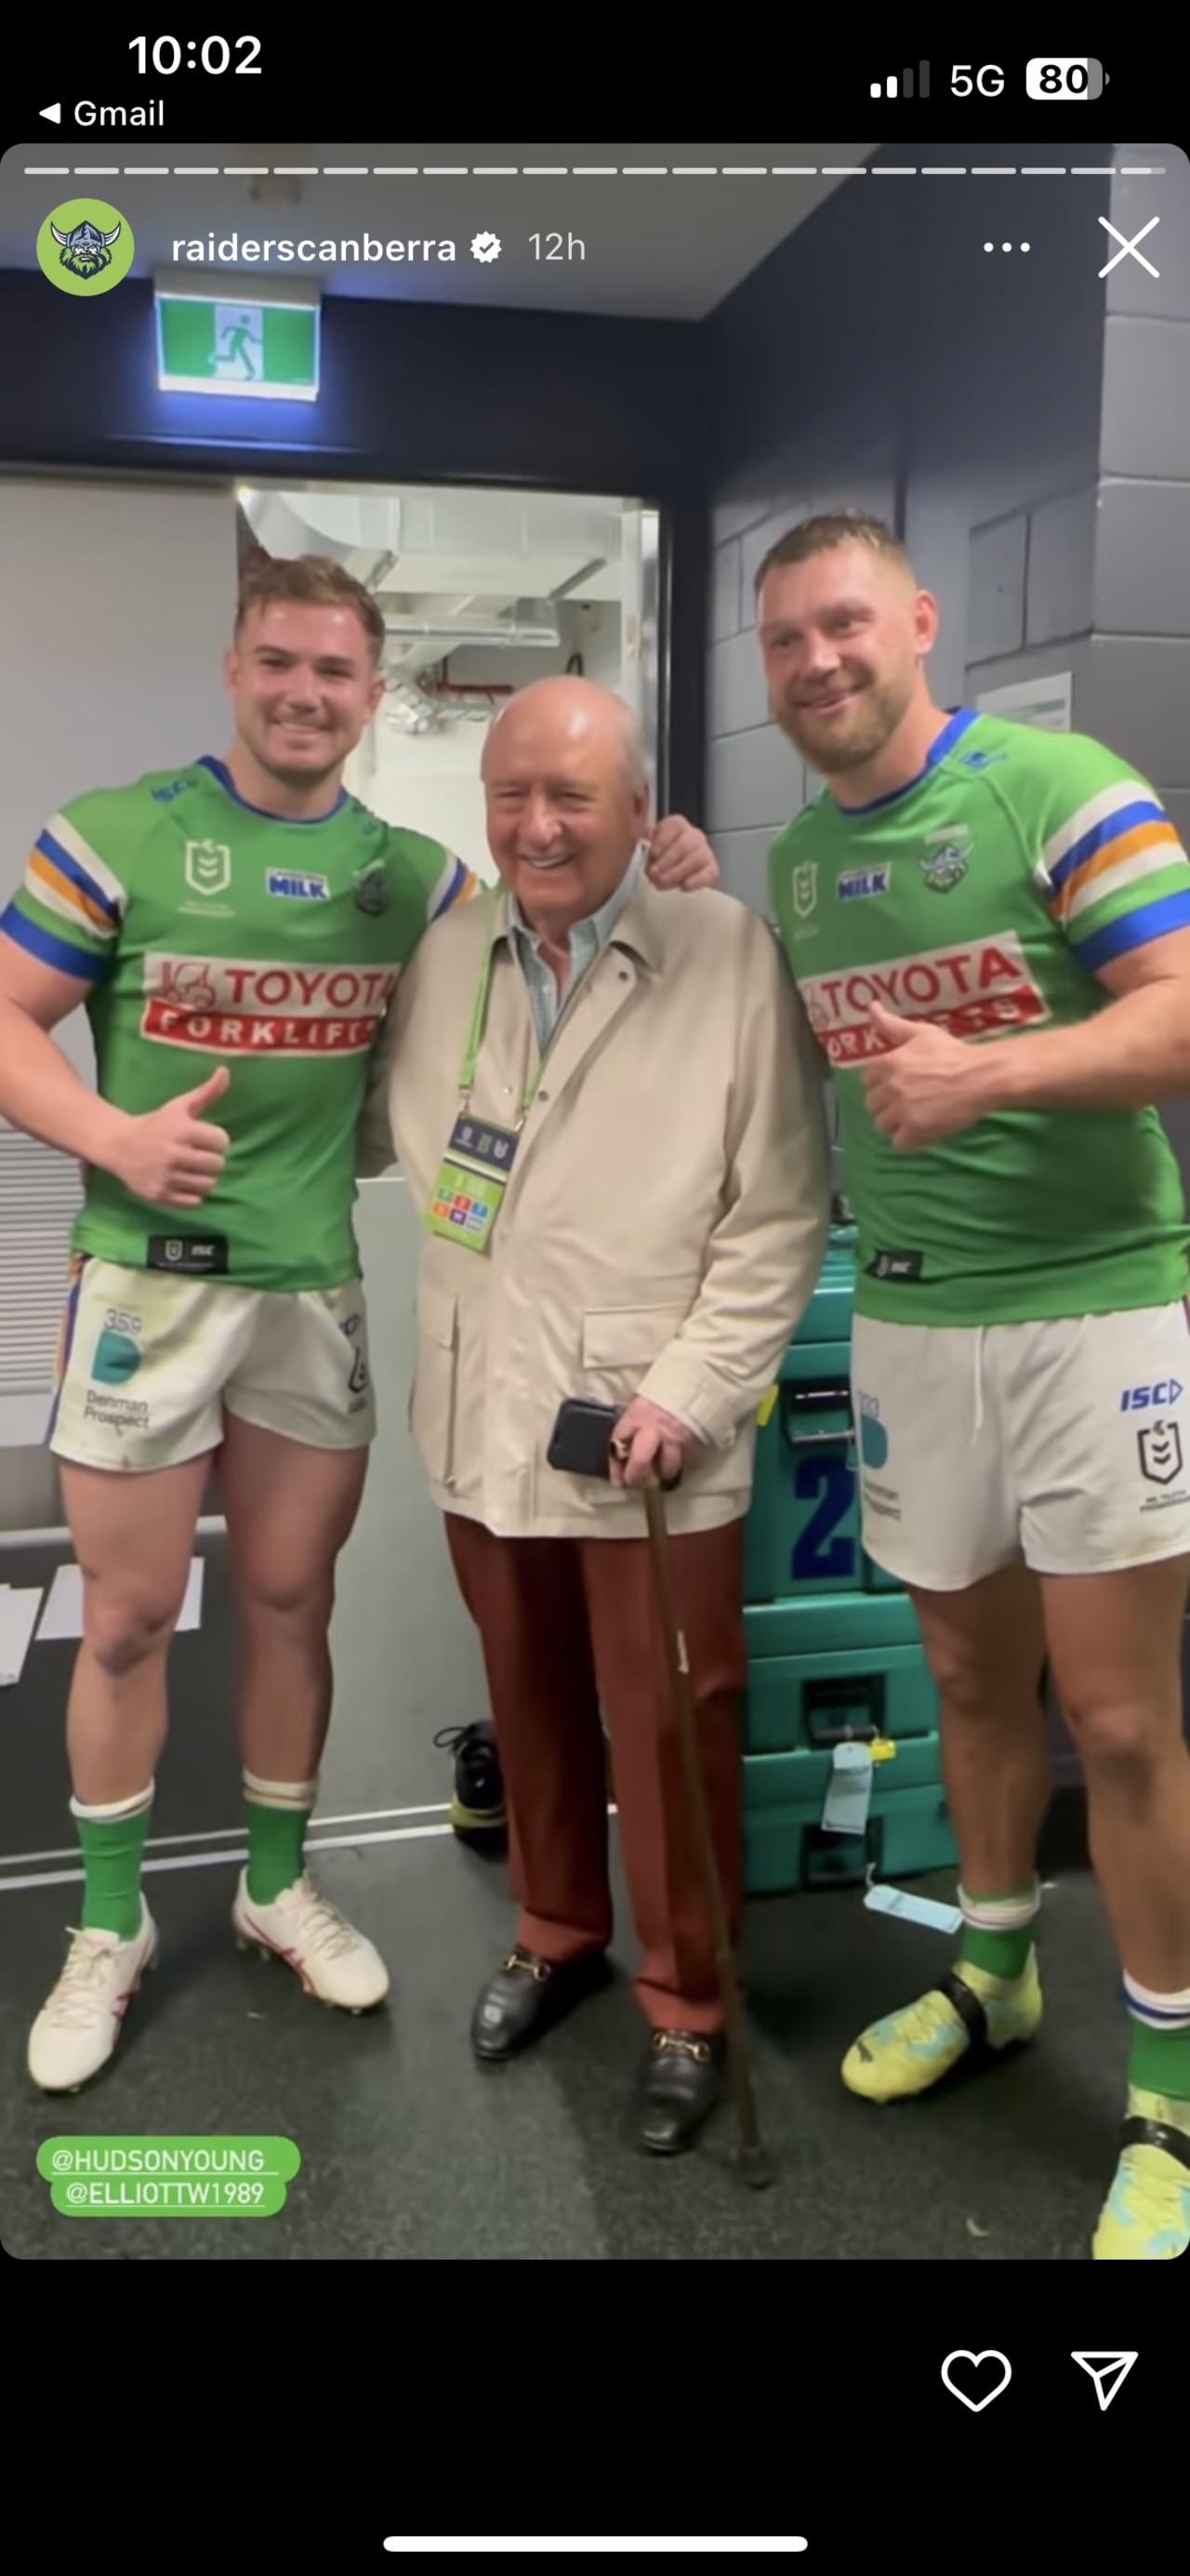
(977, 2360)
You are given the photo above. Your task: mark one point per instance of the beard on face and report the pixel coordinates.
(849, 740)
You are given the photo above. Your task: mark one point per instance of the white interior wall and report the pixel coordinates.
(430, 782)
(115, 609)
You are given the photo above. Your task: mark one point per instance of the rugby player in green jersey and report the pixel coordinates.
(235, 930)
(990, 925)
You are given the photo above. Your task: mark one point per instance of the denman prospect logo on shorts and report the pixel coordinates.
(85, 246)
(873, 1438)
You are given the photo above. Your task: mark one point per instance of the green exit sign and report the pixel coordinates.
(237, 346)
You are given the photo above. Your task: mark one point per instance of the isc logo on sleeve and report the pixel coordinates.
(1139, 1399)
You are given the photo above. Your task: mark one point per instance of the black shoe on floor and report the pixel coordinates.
(527, 1997)
(679, 2088)
(477, 1808)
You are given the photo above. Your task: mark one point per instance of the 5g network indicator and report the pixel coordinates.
(1065, 79)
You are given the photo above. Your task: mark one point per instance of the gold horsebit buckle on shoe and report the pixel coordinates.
(696, 2048)
(535, 1968)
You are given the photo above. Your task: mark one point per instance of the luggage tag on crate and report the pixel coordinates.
(849, 1792)
(913, 1909)
(764, 1411)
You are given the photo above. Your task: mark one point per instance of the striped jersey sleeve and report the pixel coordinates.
(1112, 868)
(455, 884)
(433, 878)
(68, 910)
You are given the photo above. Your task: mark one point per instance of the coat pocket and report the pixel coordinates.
(435, 1381)
(621, 1343)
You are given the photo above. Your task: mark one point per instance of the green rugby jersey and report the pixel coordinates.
(214, 934)
(985, 896)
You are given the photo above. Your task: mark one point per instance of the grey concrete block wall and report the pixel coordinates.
(737, 701)
(755, 781)
(754, 778)
(1059, 581)
(879, 360)
(1035, 453)
(996, 567)
(1138, 674)
(1043, 663)
(1134, 697)
(1142, 558)
(1107, 564)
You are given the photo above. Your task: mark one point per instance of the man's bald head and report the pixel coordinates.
(565, 784)
(573, 711)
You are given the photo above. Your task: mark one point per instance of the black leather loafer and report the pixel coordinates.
(527, 1997)
(680, 2085)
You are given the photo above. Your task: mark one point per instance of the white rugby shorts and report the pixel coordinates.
(1065, 1444)
(148, 1362)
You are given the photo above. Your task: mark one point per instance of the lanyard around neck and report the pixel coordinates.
(479, 1013)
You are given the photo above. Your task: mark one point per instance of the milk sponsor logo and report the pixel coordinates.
(861, 881)
(977, 989)
(222, 1007)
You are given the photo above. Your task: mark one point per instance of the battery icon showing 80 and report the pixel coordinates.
(1064, 78)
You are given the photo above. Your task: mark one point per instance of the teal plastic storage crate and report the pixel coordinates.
(811, 1702)
(829, 1624)
(803, 1525)
(828, 1316)
(842, 1668)
(786, 1849)
(803, 1529)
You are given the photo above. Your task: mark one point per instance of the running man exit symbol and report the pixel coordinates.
(238, 354)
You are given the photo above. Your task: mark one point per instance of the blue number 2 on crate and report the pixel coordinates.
(818, 1555)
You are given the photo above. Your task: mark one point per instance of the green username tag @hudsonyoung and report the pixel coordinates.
(472, 1179)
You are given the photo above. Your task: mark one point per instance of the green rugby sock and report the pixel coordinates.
(1160, 2062)
(998, 1933)
(113, 1843)
(277, 1816)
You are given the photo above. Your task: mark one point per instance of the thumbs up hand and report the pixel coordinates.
(924, 1084)
(173, 1157)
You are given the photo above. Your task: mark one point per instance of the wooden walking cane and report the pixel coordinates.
(755, 2164)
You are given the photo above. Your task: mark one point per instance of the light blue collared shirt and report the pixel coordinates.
(586, 941)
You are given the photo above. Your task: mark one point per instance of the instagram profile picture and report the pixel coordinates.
(85, 246)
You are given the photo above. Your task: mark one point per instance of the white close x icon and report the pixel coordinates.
(1129, 249)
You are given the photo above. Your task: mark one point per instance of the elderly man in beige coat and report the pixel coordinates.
(609, 1110)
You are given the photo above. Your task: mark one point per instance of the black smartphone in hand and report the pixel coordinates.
(580, 1442)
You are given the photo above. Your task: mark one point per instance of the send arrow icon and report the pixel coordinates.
(1109, 2370)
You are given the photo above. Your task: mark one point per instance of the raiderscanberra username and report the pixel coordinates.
(214, 254)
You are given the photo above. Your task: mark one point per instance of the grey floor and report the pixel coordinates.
(410, 2151)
